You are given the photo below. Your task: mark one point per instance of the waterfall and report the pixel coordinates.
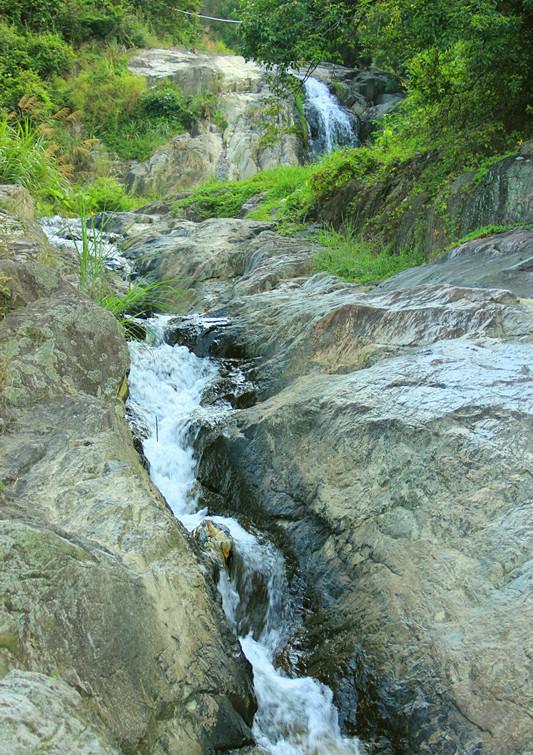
(330, 126)
(296, 715)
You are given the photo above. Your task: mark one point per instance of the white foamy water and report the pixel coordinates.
(295, 716)
(66, 233)
(329, 124)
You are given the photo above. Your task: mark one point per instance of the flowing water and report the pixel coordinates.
(66, 233)
(296, 715)
(330, 126)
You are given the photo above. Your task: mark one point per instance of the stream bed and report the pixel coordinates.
(296, 715)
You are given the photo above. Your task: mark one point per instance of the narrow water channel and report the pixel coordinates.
(296, 715)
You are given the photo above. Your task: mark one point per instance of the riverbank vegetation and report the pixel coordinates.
(68, 105)
(72, 114)
(465, 69)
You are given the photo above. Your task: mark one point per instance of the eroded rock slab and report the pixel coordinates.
(390, 452)
(502, 260)
(404, 490)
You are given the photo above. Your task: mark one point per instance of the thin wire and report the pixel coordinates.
(210, 18)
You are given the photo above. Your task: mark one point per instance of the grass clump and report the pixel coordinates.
(489, 230)
(27, 160)
(140, 299)
(352, 258)
(224, 199)
(105, 194)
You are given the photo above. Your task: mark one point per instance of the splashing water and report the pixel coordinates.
(295, 716)
(329, 125)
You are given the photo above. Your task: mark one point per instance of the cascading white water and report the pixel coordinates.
(295, 716)
(329, 124)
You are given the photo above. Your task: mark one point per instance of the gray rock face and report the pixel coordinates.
(499, 260)
(388, 211)
(503, 196)
(111, 636)
(197, 73)
(236, 151)
(389, 452)
(186, 162)
(35, 708)
(212, 258)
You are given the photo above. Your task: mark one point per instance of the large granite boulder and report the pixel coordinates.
(211, 258)
(197, 73)
(111, 635)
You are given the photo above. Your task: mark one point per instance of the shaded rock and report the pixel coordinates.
(205, 336)
(392, 213)
(503, 196)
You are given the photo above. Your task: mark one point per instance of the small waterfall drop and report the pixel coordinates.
(330, 126)
(296, 715)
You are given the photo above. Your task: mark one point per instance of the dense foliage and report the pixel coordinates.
(295, 33)
(226, 33)
(64, 81)
(79, 21)
(465, 63)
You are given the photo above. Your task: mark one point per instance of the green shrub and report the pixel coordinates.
(49, 54)
(164, 102)
(226, 198)
(105, 194)
(119, 109)
(84, 20)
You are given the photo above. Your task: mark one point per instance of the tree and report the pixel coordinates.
(296, 33)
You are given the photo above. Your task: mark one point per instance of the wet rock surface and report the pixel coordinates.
(389, 445)
(501, 260)
(111, 636)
